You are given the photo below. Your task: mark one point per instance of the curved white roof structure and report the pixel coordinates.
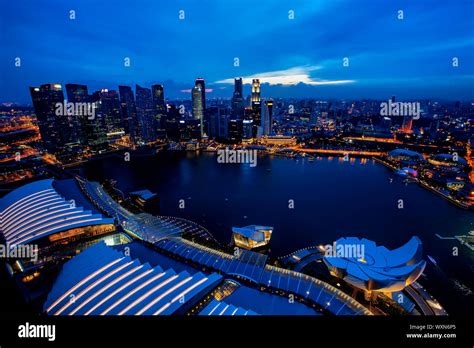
(37, 210)
(102, 281)
(378, 269)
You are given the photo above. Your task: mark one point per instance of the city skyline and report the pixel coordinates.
(410, 57)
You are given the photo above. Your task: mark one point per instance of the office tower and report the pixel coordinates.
(255, 90)
(213, 124)
(247, 129)
(267, 117)
(145, 115)
(79, 94)
(129, 111)
(256, 106)
(198, 111)
(159, 106)
(235, 130)
(237, 99)
(200, 83)
(223, 123)
(96, 129)
(172, 120)
(109, 108)
(55, 130)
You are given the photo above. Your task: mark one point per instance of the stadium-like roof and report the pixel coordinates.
(102, 281)
(378, 268)
(40, 209)
(449, 159)
(405, 153)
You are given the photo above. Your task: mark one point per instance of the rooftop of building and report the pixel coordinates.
(45, 207)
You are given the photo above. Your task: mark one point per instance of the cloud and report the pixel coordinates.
(289, 77)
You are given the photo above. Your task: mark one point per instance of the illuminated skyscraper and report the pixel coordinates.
(55, 130)
(198, 107)
(256, 107)
(109, 107)
(200, 83)
(255, 91)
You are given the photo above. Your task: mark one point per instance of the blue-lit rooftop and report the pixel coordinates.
(378, 268)
(103, 281)
(42, 208)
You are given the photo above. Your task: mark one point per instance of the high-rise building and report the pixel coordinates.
(96, 129)
(255, 91)
(200, 83)
(159, 106)
(235, 130)
(267, 117)
(129, 111)
(79, 94)
(109, 107)
(256, 106)
(198, 108)
(223, 123)
(145, 115)
(55, 130)
(237, 99)
(172, 120)
(247, 129)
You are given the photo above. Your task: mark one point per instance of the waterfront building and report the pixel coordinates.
(146, 200)
(55, 216)
(404, 156)
(198, 106)
(252, 236)
(279, 140)
(447, 161)
(107, 282)
(372, 268)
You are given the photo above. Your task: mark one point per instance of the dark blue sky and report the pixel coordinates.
(409, 58)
